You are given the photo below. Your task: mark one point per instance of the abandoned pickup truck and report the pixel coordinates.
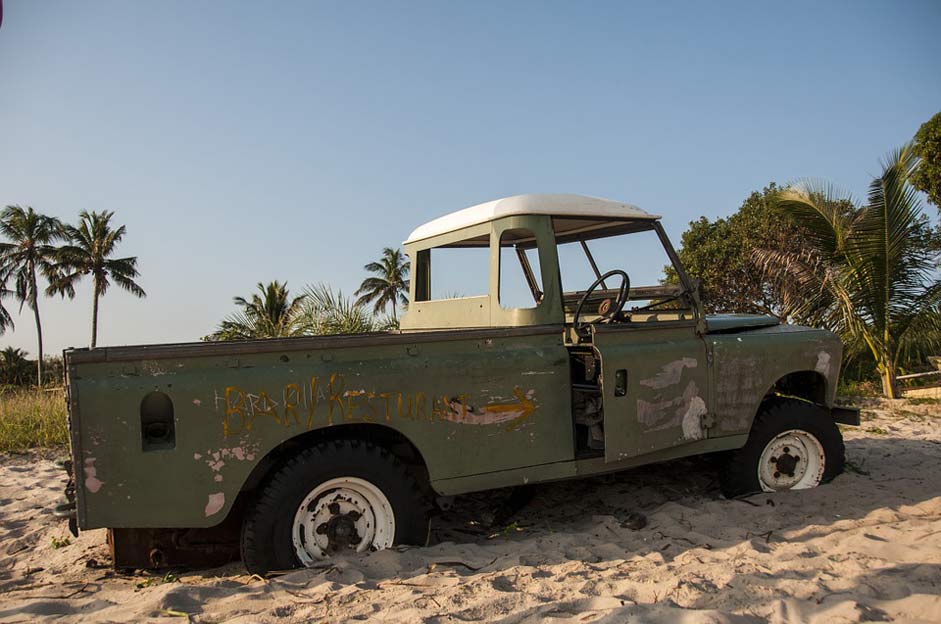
(553, 366)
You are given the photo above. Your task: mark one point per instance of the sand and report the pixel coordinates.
(866, 547)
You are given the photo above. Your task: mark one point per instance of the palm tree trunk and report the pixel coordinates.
(94, 314)
(34, 304)
(890, 386)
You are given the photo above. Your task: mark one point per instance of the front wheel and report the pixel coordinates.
(341, 496)
(793, 445)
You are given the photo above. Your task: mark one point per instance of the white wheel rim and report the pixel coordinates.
(793, 460)
(341, 514)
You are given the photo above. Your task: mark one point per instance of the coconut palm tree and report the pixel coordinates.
(6, 321)
(390, 284)
(88, 252)
(327, 313)
(14, 367)
(866, 273)
(30, 250)
(270, 313)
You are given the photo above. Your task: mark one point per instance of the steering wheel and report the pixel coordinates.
(607, 310)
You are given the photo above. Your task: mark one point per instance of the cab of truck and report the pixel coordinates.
(542, 245)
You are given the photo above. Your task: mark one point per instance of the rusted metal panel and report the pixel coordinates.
(168, 548)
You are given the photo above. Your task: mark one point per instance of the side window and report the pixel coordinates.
(461, 269)
(520, 273)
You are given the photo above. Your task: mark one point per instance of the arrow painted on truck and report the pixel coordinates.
(513, 413)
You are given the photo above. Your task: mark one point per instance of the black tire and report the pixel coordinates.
(739, 475)
(267, 543)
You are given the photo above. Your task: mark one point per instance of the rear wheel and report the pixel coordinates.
(340, 496)
(793, 445)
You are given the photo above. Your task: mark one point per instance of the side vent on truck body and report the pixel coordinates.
(157, 428)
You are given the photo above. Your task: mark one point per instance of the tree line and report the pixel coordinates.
(272, 312)
(38, 247)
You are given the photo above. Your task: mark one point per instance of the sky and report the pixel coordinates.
(242, 142)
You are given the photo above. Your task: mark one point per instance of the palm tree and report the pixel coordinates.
(6, 321)
(390, 286)
(14, 367)
(88, 253)
(867, 273)
(327, 313)
(30, 250)
(270, 314)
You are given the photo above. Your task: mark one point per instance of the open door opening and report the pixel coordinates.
(587, 403)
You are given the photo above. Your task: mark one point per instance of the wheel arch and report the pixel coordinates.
(806, 385)
(392, 440)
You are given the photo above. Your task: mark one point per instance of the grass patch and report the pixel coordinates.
(859, 388)
(61, 542)
(169, 577)
(31, 419)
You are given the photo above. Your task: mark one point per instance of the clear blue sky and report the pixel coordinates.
(248, 141)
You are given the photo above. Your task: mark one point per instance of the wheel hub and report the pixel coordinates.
(340, 530)
(785, 463)
(792, 460)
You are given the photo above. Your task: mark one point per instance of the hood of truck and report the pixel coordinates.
(724, 323)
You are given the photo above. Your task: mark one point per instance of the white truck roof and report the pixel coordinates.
(578, 206)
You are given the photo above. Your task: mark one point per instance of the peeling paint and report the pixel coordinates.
(692, 419)
(680, 411)
(216, 459)
(152, 367)
(823, 363)
(215, 503)
(92, 482)
(670, 374)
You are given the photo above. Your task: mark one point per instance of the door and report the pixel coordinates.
(655, 386)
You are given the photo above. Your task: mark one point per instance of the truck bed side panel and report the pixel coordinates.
(488, 402)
